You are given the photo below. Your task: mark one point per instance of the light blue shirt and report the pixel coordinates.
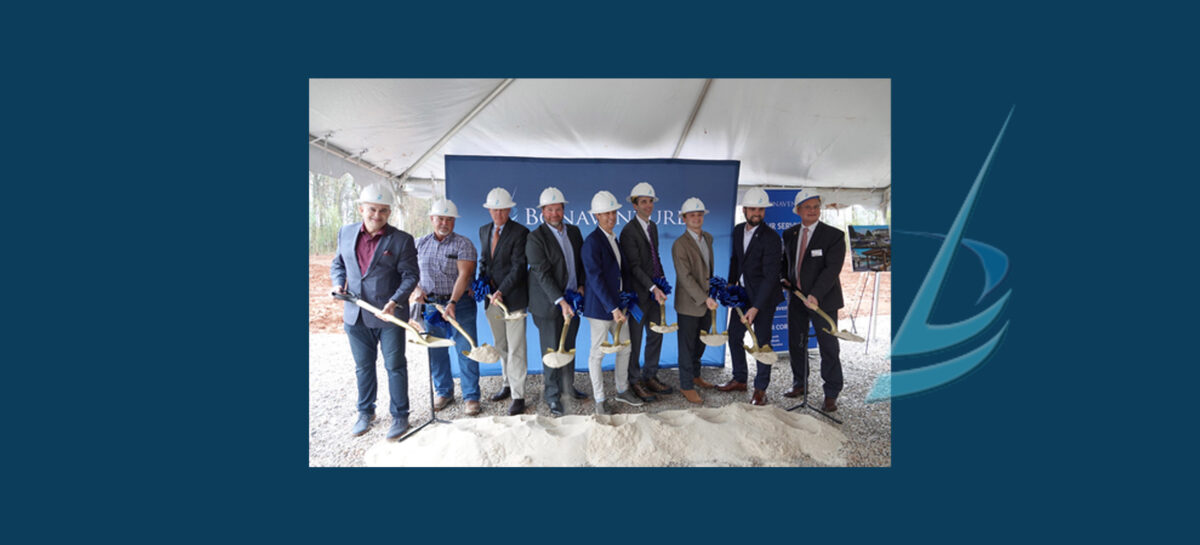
(564, 242)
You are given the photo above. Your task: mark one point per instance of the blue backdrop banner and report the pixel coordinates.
(469, 178)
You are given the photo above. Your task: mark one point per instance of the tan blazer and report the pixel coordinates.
(691, 277)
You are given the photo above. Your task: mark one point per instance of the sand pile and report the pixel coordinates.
(735, 435)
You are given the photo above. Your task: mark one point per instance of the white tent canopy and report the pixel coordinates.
(833, 134)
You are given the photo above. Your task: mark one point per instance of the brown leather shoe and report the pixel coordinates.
(472, 407)
(702, 383)
(692, 396)
(759, 398)
(640, 390)
(830, 405)
(654, 385)
(440, 402)
(796, 391)
(732, 386)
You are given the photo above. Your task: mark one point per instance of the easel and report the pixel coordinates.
(874, 303)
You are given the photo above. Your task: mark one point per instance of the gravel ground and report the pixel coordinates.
(332, 394)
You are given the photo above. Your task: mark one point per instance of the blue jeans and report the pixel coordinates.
(363, 343)
(439, 358)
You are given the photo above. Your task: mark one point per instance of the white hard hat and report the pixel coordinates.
(804, 195)
(604, 202)
(377, 193)
(692, 205)
(755, 198)
(551, 195)
(643, 189)
(444, 208)
(498, 198)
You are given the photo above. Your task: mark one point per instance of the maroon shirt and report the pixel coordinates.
(364, 247)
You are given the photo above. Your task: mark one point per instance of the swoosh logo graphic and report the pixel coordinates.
(917, 336)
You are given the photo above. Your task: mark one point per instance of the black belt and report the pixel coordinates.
(437, 298)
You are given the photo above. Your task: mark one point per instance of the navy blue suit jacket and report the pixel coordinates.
(603, 276)
(392, 274)
(760, 265)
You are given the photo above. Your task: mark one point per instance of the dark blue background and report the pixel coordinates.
(177, 409)
(470, 178)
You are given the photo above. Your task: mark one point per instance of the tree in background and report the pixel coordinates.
(332, 203)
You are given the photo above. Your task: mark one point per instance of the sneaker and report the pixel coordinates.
(628, 397)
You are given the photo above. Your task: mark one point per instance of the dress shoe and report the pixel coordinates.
(657, 387)
(830, 405)
(796, 391)
(732, 386)
(502, 394)
(399, 426)
(692, 396)
(702, 383)
(517, 407)
(440, 402)
(472, 407)
(578, 394)
(556, 408)
(363, 424)
(759, 398)
(641, 392)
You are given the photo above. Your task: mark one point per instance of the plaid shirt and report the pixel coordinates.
(438, 261)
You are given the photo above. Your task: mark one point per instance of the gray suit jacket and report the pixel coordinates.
(691, 276)
(548, 268)
(392, 274)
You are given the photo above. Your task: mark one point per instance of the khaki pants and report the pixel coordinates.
(510, 341)
(595, 356)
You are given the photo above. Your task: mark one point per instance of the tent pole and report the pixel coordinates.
(457, 127)
(692, 118)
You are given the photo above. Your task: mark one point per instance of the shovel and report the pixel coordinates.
(614, 346)
(482, 354)
(663, 327)
(761, 353)
(563, 357)
(421, 338)
(520, 315)
(843, 334)
(712, 338)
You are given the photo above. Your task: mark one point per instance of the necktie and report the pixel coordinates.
(800, 256)
(658, 270)
(495, 237)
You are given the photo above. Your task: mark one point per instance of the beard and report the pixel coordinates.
(753, 222)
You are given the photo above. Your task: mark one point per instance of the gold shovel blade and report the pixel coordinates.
(843, 334)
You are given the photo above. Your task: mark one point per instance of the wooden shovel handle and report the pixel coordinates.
(454, 323)
(804, 298)
(562, 339)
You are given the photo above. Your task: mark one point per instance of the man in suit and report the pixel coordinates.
(602, 304)
(814, 256)
(757, 252)
(553, 252)
(639, 242)
(693, 256)
(503, 263)
(377, 262)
